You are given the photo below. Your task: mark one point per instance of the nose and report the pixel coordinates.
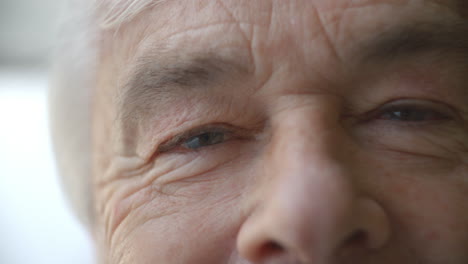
(310, 210)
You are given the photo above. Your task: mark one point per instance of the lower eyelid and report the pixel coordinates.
(231, 132)
(440, 109)
(203, 150)
(219, 137)
(428, 113)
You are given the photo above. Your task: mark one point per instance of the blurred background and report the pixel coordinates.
(36, 226)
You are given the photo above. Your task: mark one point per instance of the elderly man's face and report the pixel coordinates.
(318, 131)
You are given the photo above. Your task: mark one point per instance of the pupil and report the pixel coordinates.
(405, 114)
(408, 115)
(204, 139)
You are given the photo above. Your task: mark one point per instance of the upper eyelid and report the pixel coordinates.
(216, 127)
(421, 104)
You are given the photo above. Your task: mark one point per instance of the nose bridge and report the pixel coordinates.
(310, 148)
(310, 194)
(311, 210)
(311, 131)
(311, 184)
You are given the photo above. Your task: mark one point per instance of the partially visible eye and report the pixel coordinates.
(413, 111)
(201, 137)
(412, 115)
(205, 139)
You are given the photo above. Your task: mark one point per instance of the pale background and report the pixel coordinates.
(36, 226)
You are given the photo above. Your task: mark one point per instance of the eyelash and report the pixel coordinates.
(409, 113)
(187, 141)
(412, 112)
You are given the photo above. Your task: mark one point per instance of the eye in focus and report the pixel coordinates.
(198, 138)
(413, 111)
(411, 115)
(204, 139)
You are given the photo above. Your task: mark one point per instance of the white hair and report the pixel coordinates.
(118, 12)
(71, 91)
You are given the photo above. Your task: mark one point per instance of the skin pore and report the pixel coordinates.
(319, 131)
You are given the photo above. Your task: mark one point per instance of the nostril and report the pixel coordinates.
(274, 246)
(271, 248)
(354, 246)
(357, 239)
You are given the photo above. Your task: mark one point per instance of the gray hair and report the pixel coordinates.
(71, 91)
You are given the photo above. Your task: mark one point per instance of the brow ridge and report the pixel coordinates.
(155, 78)
(416, 39)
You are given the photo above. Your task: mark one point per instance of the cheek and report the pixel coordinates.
(181, 220)
(429, 213)
(192, 230)
(198, 236)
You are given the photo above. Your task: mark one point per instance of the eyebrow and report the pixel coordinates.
(415, 40)
(155, 77)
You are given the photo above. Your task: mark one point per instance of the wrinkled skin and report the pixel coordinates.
(298, 144)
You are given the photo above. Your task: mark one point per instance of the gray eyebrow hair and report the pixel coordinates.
(417, 39)
(154, 78)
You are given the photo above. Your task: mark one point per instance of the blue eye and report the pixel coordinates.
(416, 112)
(205, 139)
(412, 115)
(201, 137)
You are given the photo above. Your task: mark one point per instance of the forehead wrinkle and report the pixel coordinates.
(156, 78)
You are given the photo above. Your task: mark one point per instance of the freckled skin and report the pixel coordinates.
(307, 176)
